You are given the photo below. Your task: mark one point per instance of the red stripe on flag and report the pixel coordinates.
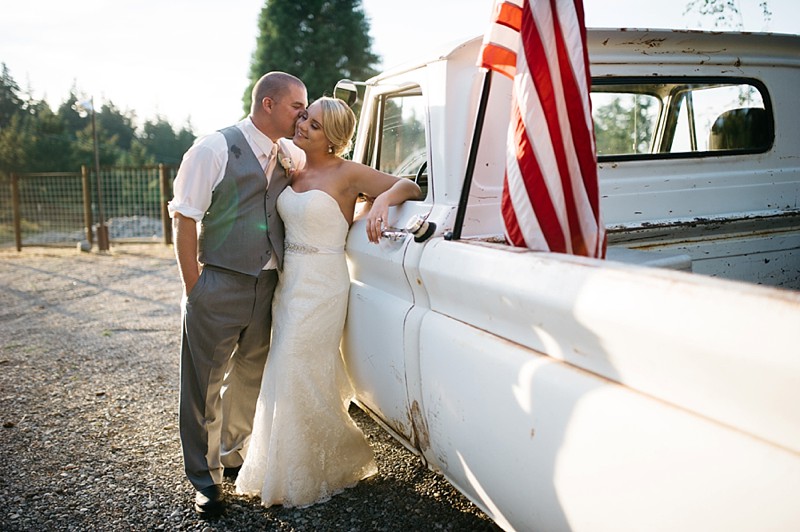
(499, 59)
(534, 182)
(508, 14)
(513, 232)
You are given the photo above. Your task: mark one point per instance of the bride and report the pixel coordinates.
(305, 447)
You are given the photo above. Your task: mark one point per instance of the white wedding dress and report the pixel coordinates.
(305, 447)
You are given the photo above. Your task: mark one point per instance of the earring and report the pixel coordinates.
(330, 149)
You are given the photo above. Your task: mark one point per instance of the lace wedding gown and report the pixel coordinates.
(305, 447)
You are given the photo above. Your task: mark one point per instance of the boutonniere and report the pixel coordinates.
(286, 162)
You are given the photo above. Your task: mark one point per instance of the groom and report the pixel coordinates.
(226, 190)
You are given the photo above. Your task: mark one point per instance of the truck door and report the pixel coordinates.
(392, 139)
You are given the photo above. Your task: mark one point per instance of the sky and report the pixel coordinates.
(188, 60)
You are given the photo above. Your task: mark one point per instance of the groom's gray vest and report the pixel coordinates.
(242, 227)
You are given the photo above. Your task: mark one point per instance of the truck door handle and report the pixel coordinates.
(417, 226)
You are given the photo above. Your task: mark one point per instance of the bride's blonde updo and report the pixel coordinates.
(338, 124)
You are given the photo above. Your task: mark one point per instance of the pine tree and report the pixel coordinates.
(117, 124)
(162, 143)
(319, 41)
(52, 149)
(10, 101)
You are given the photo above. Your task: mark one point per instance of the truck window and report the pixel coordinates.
(401, 149)
(639, 118)
(624, 122)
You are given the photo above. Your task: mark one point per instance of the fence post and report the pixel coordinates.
(166, 224)
(16, 210)
(87, 204)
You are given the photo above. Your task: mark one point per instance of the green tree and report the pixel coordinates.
(83, 147)
(319, 41)
(118, 125)
(14, 136)
(10, 101)
(73, 119)
(162, 144)
(51, 148)
(15, 143)
(623, 125)
(137, 155)
(115, 131)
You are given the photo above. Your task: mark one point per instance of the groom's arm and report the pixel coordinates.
(184, 232)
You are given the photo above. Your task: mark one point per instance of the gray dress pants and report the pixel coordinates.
(227, 319)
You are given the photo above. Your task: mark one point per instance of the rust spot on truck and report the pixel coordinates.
(648, 43)
(420, 427)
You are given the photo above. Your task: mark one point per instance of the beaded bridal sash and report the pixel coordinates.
(306, 249)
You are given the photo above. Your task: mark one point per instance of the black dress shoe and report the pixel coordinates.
(231, 473)
(209, 502)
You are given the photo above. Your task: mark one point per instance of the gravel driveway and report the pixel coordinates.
(88, 403)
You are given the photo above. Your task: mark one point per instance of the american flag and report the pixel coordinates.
(550, 190)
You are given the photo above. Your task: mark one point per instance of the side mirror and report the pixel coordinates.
(346, 90)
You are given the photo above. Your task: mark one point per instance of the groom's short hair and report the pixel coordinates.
(272, 84)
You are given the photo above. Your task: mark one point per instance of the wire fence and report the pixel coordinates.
(62, 209)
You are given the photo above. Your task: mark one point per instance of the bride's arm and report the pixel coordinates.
(402, 190)
(386, 189)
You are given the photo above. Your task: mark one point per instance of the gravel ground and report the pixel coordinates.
(88, 403)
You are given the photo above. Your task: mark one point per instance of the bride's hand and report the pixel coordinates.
(376, 219)
(374, 225)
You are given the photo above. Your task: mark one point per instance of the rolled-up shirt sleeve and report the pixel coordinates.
(202, 168)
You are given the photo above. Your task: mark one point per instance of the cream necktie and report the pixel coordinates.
(271, 161)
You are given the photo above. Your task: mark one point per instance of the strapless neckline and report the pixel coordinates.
(338, 208)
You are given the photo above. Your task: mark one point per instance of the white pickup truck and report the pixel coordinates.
(658, 389)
